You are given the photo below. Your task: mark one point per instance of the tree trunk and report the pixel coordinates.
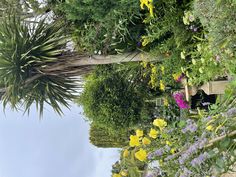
(74, 64)
(77, 61)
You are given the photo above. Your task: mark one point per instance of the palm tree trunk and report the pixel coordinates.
(75, 60)
(74, 64)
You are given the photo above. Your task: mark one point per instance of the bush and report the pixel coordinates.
(108, 99)
(103, 26)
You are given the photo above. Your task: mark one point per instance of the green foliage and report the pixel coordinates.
(105, 26)
(24, 9)
(213, 57)
(101, 136)
(167, 32)
(218, 18)
(204, 66)
(110, 100)
(24, 52)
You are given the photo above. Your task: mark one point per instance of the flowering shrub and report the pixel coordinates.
(197, 145)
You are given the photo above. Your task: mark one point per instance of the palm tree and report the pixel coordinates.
(34, 66)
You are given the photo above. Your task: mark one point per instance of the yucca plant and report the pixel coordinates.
(35, 68)
(24, 51)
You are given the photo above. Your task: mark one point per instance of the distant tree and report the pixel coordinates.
(101, 136)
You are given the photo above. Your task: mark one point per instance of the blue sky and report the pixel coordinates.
(52, 147)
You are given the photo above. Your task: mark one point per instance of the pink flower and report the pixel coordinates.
(179, 98)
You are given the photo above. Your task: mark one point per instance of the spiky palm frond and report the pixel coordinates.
(24, 51)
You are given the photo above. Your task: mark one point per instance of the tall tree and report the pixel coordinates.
(34, 66)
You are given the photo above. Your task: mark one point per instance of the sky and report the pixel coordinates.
(51, 147)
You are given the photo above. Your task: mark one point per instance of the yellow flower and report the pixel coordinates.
(161, 162)
(153, 133)
(161, 123)
(134, 141)
(151, 10)
(176, 76)
(166, 103)
(168, 143)
(173, 150)
(142, 3)
(209, 127)
(125, 153)
(146, 141)
(148, 4)
(145, 41)
(144, 63)
(139, 133)
(141, 155)
(163, 69)
(123, 173)
(162, 86)
(116, 175)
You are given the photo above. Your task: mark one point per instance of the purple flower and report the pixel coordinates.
(200, 159)
(207, 119)
(181, 161)
(230, 113)
(192, 150)
(150, 156)
(170, 157)
(167, 148)
(159, 152)
(202, 143)
(186, 172)
(179, 98)
(191, 126)
(139, 44)
(180, 77)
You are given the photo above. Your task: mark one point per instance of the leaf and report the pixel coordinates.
(181, 123)
(225, 143)
(220, 163)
